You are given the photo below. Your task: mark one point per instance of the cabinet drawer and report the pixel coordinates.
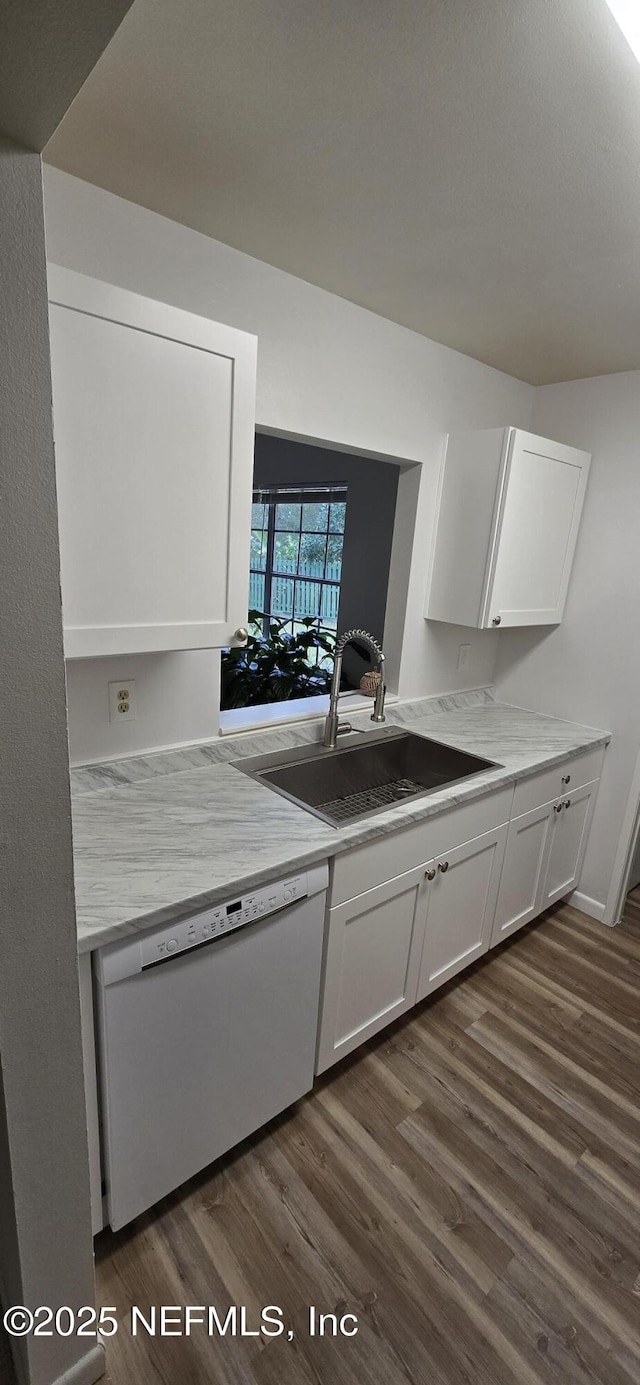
(560, 779)
(369, 865)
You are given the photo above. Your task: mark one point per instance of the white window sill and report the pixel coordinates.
(300, 709)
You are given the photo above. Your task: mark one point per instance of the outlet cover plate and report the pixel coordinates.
(463, 655)
(122, 700)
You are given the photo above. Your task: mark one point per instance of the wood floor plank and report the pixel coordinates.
(480, 1355)
(401, 1299)
(468, 1184)
(505, 1085)
(620, 957)
(583, 977)
(574, 1090)
(592, 1232)
(563, 1347)
(549, 983)
(507, 1207)
(495, 982)
(452, 1214)
(413, 1197)
(590, 1046)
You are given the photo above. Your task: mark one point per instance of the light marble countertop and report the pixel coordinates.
(160, 836)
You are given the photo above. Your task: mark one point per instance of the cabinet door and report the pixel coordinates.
(523, 872)
(536, 532)
(373, 952)
(569, 834)
(154, 427)
(461, 908)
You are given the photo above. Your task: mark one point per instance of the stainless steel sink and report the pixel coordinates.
(363, 776)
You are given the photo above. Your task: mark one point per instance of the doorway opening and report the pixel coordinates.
(624, 891)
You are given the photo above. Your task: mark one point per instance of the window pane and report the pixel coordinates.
(312, 555)
(337, 517)
(315, 516)
(308, 596)
(287, 516)
(258, 515)
(330, 603)
(299, 628)
(258, 549)
(285, 552)
(282, 596)
(334, 556)
(256, 591)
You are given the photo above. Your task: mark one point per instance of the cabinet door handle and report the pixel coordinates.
(566, 779)
(567, 803)
(443, 866)
(497, 620)
(558, 808)
(430, 874)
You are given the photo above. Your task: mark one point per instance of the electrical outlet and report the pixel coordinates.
(122, 700)
(463, 655)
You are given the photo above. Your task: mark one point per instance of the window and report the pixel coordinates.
(310, 575)
(297, 538)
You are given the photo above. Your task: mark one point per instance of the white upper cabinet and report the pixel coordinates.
(154, 418)
(508, 523)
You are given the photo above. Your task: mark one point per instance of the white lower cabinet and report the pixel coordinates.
(523, 873)
(389, 946)
(461, 907)
(545, 851)
(568, 835)
(374, 946)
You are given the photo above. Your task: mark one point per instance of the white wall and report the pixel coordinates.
(45, 1226)
(327, 370)
(588, 668)
(177, 701)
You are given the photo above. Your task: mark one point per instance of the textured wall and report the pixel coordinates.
(45, 1245)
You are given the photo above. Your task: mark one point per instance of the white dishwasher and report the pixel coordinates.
(207, 1029)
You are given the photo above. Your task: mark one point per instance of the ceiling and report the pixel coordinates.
(46, 52)
(468, 168)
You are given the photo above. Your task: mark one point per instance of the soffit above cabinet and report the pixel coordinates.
(154, 418)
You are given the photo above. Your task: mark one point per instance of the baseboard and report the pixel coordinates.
(589, 906)
(85, 1372)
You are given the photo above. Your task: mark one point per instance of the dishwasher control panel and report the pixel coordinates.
(222, 918)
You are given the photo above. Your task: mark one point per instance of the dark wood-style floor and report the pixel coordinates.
(468, 1185)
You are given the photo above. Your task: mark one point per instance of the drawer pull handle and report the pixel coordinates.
(566, 779)
(443, 866)
(430, 874)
